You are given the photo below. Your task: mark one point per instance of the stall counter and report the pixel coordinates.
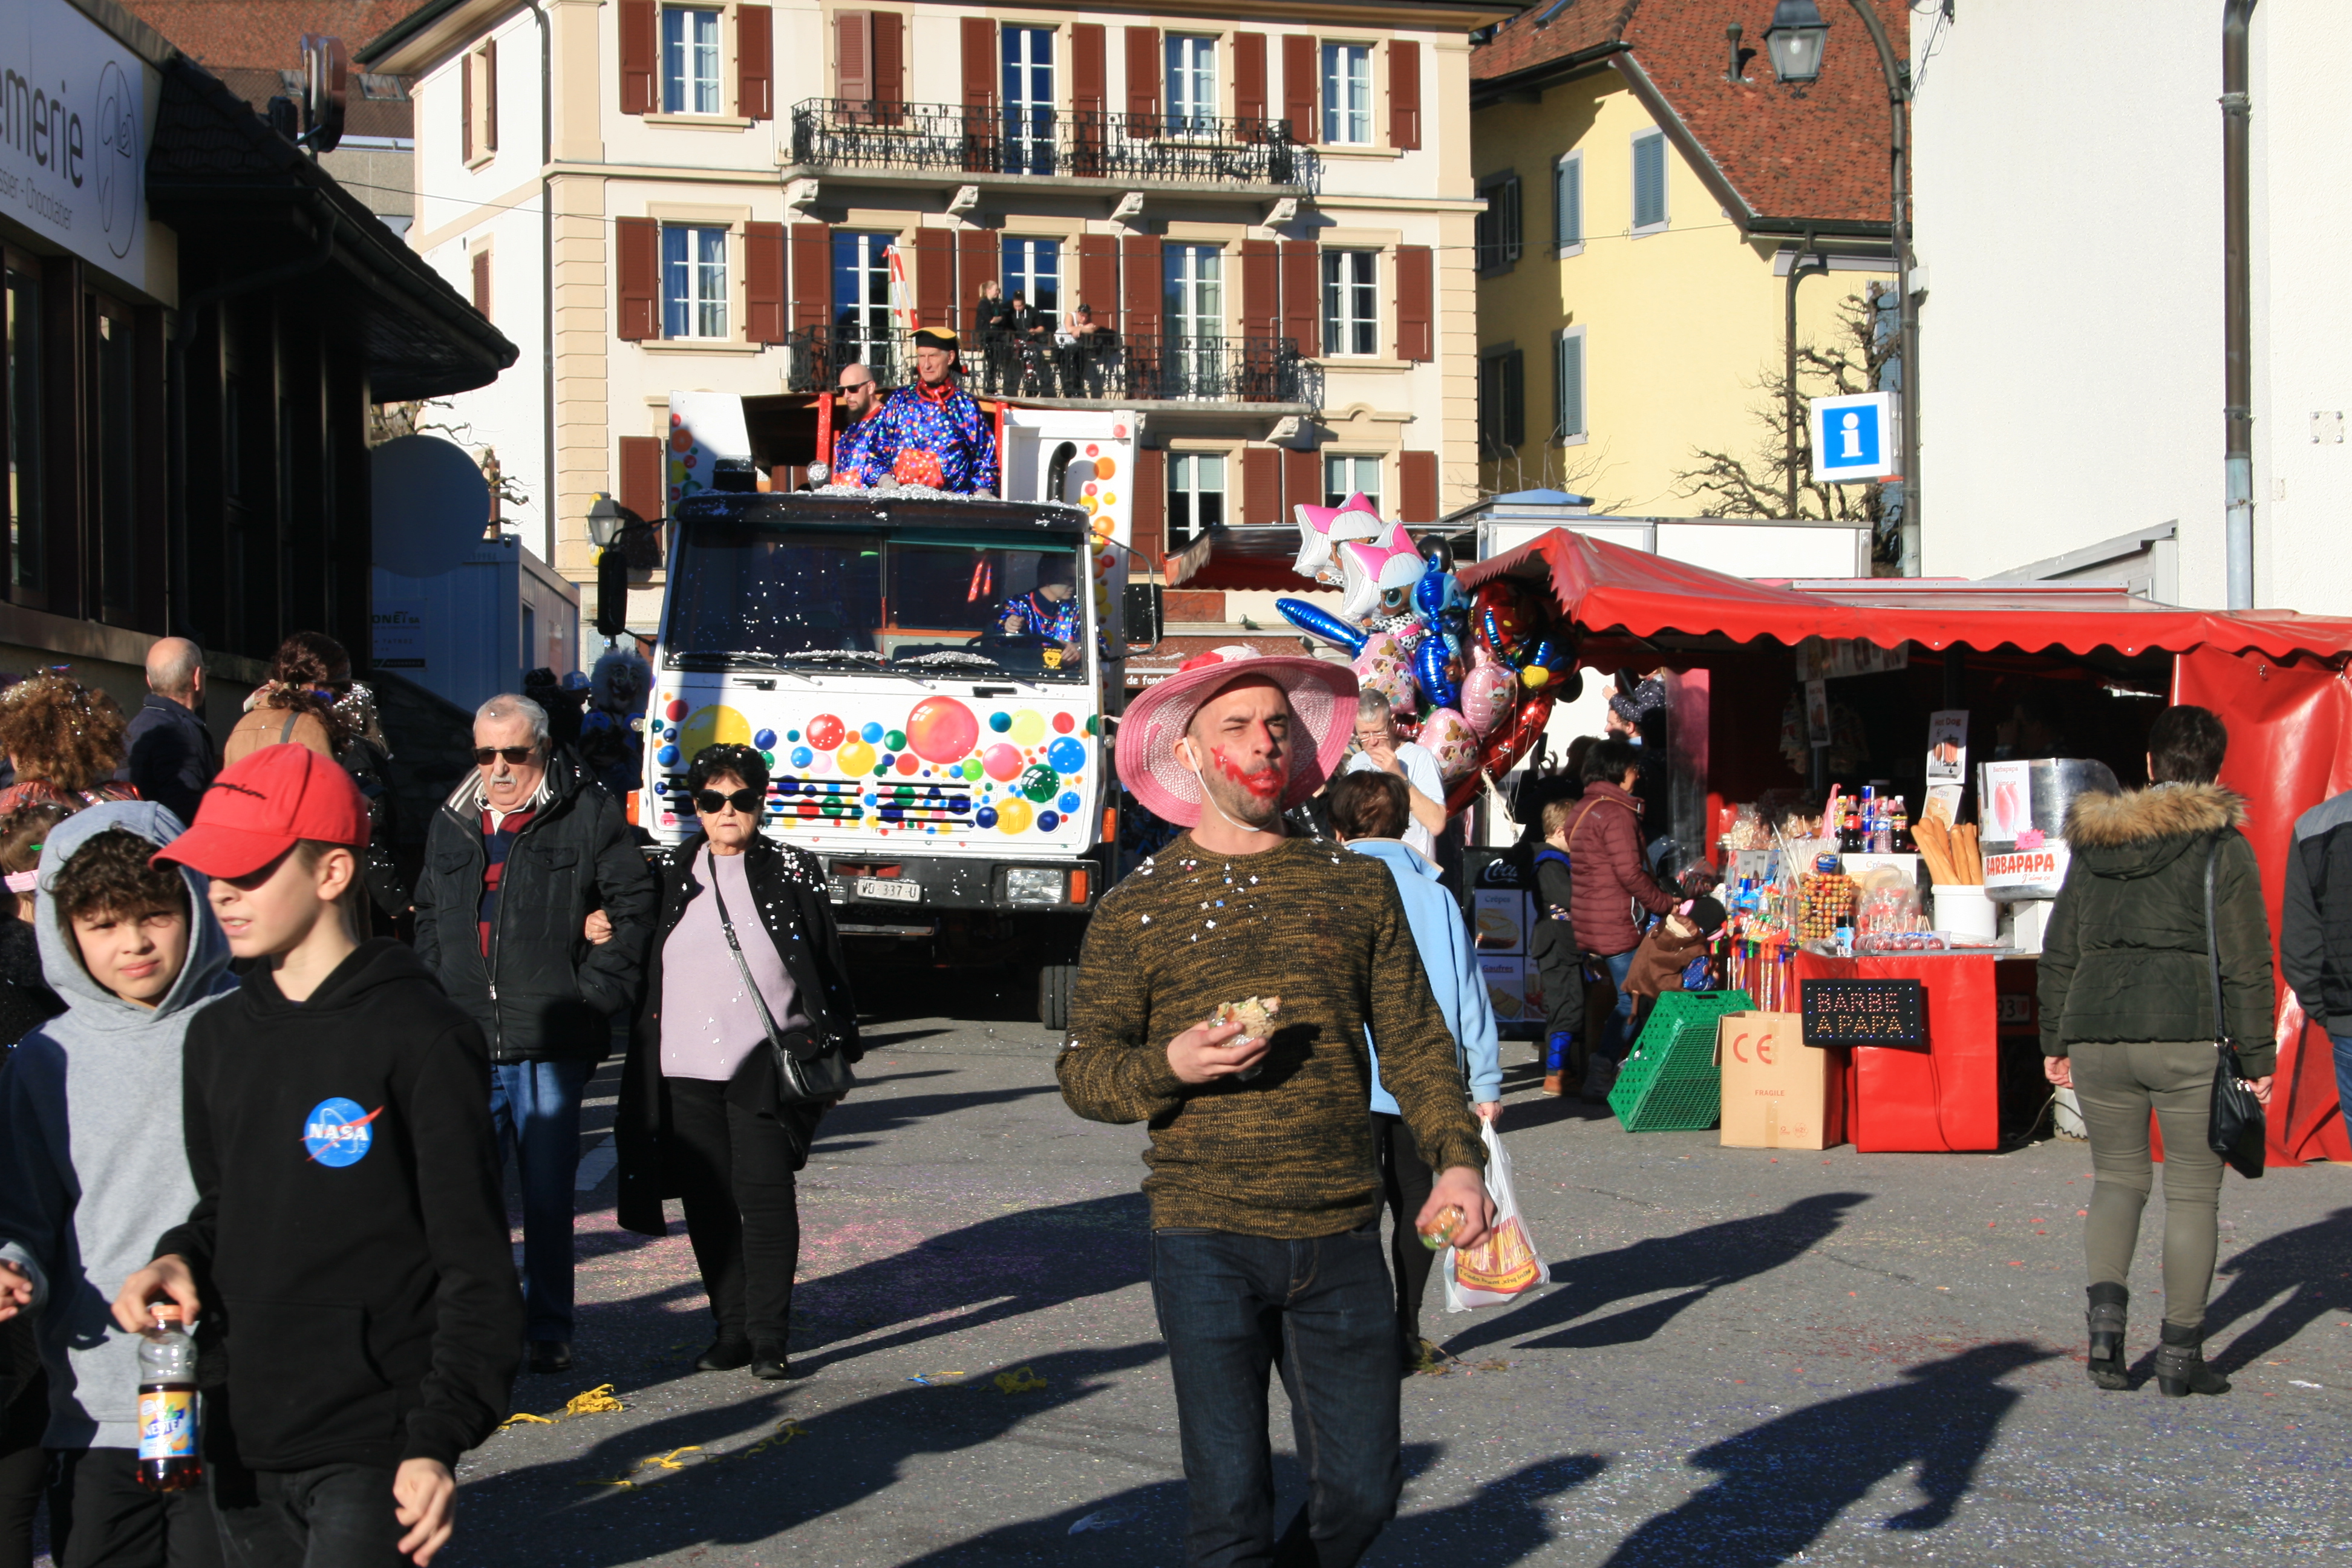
(1901, 1099)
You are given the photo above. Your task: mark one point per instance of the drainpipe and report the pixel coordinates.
(547, 278)
(2238, 414)
(1804, 261)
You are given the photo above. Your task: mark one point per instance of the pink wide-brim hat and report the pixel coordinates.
(1322, 700)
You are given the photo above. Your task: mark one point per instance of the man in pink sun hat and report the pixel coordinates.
(1266, 1198)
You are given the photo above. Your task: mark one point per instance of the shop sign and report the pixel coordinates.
(1864, 1011)
(1854, 438)
(74, 131)
(2041, 870)
(399, 634)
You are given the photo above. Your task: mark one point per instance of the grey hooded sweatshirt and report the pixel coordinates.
(92, 1163)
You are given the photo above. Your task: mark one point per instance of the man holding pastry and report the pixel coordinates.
(1263, 1188)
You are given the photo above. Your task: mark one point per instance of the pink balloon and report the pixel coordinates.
(1447, 736)
(1486, 692)
(1383, 668)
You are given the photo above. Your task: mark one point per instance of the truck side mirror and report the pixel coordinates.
(612, 590)
(1144, 620)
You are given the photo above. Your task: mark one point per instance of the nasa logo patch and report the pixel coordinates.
(336, 1132)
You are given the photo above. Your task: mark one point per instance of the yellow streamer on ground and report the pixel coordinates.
(597, 1401)
(1023, 1380)
(522, 1415)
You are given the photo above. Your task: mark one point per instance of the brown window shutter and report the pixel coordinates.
(934, 258)
(1249, 81)
(641, 476)
(763, 282)
(466, 110)
(853, 56)
(1404, 93)
(1098, 276)
(811, 275)
(1139, 267)
(978, 261)
(1261, 486)
(1261, 289)
(1417, 479)
(640, 22)
(889, 66)
(979, 68)
(1299, 63)
(1302, 294)
(638, 241)
(1416, 336)
(755, 69)
(482, 283)
(1148, 532)
(1089, 69)
(1302, 480)
(490, 96)
(1142, 81)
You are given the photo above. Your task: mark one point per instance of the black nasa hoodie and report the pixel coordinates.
(348, 1221)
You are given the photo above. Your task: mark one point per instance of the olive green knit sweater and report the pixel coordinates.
(1289, 1153)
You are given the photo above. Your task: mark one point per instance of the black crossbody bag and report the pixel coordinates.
(2235, 1131)
(814, 1074)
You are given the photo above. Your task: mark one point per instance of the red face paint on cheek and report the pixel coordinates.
(1266, 784)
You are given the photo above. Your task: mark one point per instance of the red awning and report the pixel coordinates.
(1604, 587)
(1239, 558)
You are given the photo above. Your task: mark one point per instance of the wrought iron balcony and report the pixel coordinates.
(1151, 369)
(1143, 149)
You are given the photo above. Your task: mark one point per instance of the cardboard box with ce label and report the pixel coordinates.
(1777, 1092)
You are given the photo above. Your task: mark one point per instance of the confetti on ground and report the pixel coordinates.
(597, 1401)
(1101, 1519)
(925, 1378)
(785, 1432)
(1023, 1380)
(2300, 1383)
(520, 1416)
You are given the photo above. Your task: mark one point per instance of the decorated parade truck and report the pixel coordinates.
(928, 676)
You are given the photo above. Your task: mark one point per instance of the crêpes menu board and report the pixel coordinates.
(1864, 1012)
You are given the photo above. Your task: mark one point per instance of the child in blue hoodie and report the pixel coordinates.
(92, 1156)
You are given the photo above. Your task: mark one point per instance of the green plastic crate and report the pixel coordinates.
(1672, 1082)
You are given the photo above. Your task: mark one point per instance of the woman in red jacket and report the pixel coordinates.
(1611, 879)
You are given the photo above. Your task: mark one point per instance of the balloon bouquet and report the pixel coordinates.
(1471, 678)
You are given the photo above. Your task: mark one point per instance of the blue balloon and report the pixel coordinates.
(1317, 621)
(1428, 667)
(1429, 596)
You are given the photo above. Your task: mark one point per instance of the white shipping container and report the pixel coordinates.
(470, 632)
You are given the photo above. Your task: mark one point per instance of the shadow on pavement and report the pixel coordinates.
(2305, 1264)
(1508, 1520)
(872, 1115)
(1785, 1482)
(1697, 1263)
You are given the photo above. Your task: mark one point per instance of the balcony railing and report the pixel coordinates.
(950, 139)
(1154, 369)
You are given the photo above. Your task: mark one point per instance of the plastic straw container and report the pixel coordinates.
(1965, 910)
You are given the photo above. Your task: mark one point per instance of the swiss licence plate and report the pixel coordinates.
(889, 890)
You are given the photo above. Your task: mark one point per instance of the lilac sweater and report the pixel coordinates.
(709, 1022)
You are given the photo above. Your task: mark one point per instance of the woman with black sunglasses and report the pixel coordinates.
(702, 1117)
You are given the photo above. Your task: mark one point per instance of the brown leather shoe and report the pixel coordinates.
(1552, 1085)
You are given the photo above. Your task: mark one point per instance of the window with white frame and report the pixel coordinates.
(694, 281)
(1649, 182)
(861, 301)
(1345, 476)
(1351, 310)
(1569, 423)
(1196, 494)
(1033, 269)
(1347, 93)
(1191, 83)
(689, 60)
(1568, 203)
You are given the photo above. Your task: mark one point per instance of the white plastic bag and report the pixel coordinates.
(1506, 1266)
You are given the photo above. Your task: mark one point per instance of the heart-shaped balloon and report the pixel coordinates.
(1446, 735)
(1486, 692)
(1382, 668)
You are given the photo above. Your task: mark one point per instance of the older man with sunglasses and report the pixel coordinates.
(518, 857)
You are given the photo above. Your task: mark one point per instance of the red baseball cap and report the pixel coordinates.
(266, 803)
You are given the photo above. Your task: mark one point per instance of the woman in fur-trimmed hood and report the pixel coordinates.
(2127, 1022)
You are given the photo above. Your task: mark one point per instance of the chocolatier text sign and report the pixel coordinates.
(1864, 1012)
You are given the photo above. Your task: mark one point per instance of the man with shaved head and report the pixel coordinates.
(173, 759)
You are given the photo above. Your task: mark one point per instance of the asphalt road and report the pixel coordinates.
(1745, 1358)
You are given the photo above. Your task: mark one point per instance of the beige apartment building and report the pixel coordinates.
(1273, 207)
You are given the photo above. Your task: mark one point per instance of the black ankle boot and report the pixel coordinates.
(2110, 1308)
(2180, 1369)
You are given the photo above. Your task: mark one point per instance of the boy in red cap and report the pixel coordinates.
(348, 1216)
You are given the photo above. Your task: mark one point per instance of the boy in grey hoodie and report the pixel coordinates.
(92, 1163)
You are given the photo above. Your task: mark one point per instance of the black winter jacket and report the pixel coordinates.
(2316, 927)
(789, 887)
(2125, 957)
(544, 993)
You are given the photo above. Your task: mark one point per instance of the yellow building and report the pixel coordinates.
(1649, 185)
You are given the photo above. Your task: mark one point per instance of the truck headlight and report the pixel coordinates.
(1033, 885)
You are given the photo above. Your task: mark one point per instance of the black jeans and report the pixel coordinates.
(106, 1517)
(743, 1211)
(330, 1516)
(1231, 1307)
(24, 1467)
(1405, 1181)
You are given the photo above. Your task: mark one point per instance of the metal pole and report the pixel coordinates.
(1898, 101)
(2237, 331)
(1799, 265)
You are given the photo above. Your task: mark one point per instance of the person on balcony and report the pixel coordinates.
(992, 324)
(1031, 351)
(1084, 359)
(852, 449)
(931, 432)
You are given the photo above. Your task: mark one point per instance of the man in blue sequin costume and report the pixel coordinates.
(932, 432)
(852, 449)
(1051, 609)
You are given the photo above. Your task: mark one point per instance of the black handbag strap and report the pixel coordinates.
(766, 1019)
(2213, 951)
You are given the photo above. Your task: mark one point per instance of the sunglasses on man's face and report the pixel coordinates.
(710, 802)
(515, 755)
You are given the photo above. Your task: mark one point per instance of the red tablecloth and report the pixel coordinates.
(1948, 1097)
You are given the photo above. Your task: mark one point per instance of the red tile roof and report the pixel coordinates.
(1814, 152)
(265, 33)
(362, 115)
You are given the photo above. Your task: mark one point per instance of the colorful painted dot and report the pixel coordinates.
(1028, 727)
(825, 731)
(906, 763)
(1000, 721)
(870, 733)
(1069, 802)
(856, 757)
(1041, 783)
(985, 816)
(676, 709)
(1090, 724)
(795, 734)
(667, 756)
(801, 755)
(1067, 754)
(768, 758)
(1048, 822)
(1063, 723)
(896, 739)
(1003, 762)
(971, 768)
(765, 740)
(1013, 815)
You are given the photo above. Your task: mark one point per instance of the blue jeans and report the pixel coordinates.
(1231, 1307)
(535, 1109)
(2342, 1043)
(1616, 1031)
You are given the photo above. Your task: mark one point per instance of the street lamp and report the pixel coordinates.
(605, 522)
(1795, 39)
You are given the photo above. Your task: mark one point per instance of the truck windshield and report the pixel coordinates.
(920, 602)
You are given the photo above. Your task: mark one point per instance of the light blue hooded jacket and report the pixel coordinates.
(93, 1161)
(1444, 945)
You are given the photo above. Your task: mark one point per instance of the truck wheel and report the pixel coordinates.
(1055, 982)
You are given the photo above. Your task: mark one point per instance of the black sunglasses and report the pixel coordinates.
(710, 802)
(485, 755)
